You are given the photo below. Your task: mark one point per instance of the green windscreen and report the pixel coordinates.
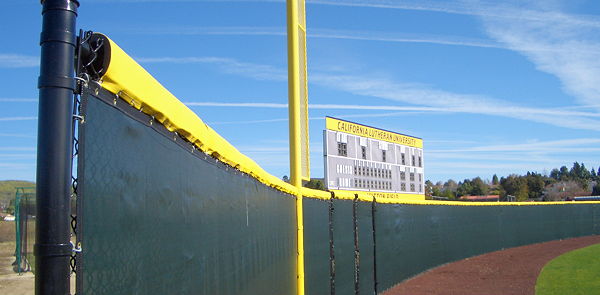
(412, 238)
(158, 217)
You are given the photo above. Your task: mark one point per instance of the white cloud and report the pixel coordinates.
(17, 156)
(316, 149)
(401, 38)
(16, 166)
(17, 149)
(16, 135)
(248, 121)
(487, 158)
(536, 146)
(227, 65)
(504, 159)
(404, 109)
(422, 97)
(18, 61)
(320, 34)
(316, 106)
(237, 104)
(461, 7)
(341, 116)
(18, 118)
(514, 157)
(454, 102)
(18, 100)
(575, 60)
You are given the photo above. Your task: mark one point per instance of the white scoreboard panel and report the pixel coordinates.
(363, 158)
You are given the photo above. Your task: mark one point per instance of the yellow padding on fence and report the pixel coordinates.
(134, 84)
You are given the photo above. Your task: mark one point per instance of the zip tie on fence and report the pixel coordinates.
(98, 83)
(74, 248)
(117, 96)
(79, 118)
(82, 80)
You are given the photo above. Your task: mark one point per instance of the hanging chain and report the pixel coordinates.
(331, 246)
(82, 79)
(77, 119)
(356, 249)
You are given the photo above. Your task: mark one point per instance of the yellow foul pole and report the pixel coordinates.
(298, 118)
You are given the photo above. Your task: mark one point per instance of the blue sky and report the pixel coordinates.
(491, 86)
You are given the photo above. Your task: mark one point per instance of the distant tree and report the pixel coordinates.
(437, 188)
(563, 173)
(464, 188)
(450, 185)
(448, 194)
(478, 187)
(596, 190)
(593, 173)
(575, 171)
(584, 173)
(286, 178)
(495, 179)
(523, 193)
(535, 185)
(428, 188)
(516, 186)
(495, 190)
(315, 184)
(555, 174)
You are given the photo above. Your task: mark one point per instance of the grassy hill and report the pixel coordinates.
(8, 189)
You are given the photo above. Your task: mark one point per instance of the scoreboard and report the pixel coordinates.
(363, 158)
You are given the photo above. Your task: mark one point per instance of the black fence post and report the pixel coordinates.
(56, 85)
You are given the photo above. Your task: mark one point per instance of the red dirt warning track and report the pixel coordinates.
(508, 272)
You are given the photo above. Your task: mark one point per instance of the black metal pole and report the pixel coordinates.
(56, 85)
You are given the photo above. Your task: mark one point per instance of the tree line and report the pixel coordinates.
(560, 184)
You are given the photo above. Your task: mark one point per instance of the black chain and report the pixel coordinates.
(74, 179)
(75, 147)
(373, 212)
(356, 249)
(73, 264)
(331, 247)
(74, 224)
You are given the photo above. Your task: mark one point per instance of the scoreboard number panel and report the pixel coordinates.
(366, 159)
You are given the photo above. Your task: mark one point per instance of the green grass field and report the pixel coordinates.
(576, 272)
